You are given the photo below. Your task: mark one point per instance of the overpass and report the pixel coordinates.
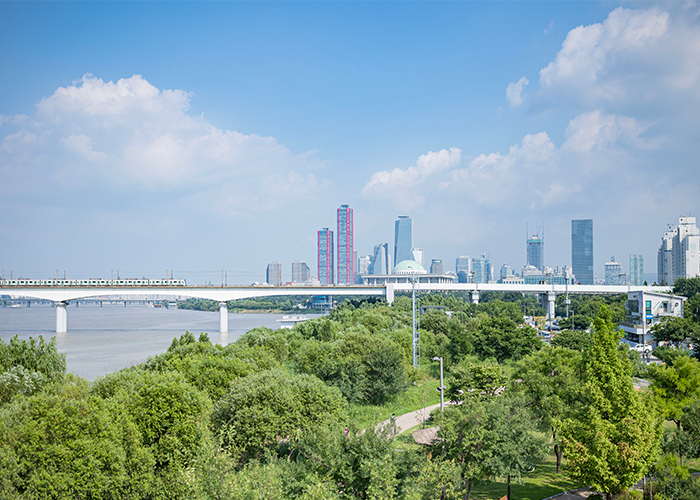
(62, 295)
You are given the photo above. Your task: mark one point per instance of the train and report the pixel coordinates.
(93, 282)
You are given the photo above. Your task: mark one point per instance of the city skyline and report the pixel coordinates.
(127, 142)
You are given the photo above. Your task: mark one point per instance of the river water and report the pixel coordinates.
(105, 339)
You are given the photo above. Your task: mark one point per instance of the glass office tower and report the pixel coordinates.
(403, 239)
(582, 250)
(535, 252)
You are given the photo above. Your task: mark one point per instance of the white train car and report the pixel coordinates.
(95, 282)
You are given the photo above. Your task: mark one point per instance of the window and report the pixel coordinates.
(648, 306)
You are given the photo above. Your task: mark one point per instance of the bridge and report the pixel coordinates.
(62, 295)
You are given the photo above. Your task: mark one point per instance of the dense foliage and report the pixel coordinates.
(269, 416)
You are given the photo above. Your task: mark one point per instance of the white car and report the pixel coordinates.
(641, 348)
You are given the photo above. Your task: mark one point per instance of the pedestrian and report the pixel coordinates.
(393, 424)
(347, 431)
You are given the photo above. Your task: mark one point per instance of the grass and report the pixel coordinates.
(541, 483)
(416, 397)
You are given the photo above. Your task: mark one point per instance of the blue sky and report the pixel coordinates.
(222, 135)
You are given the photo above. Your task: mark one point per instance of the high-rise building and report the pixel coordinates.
(636, 269)
(686, 242)
(380, 259)
(582, 250)
(613, 272)
(403, 239)
(274, 273)
(417, 254)
(436, 267)
(535, 251)
(346, 261)
(679, 255)
(463, 263)
(506, 271)
(300, 272)
(363, 264)
(665, 256)
(481, 269)
(325, 256)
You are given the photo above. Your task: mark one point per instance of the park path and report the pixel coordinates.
(411, 419)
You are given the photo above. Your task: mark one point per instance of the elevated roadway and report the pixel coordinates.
(62, 295)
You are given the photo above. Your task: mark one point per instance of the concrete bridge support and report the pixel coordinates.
(223, 317)
(61, 317)
(475, 297)
(548, 302)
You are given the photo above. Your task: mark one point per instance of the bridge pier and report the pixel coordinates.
(223, 317)
(547, 300)
(475, 296)
(61, 317)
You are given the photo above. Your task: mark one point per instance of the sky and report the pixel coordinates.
(208, 136)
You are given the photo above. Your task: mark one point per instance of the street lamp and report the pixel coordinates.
(442, 386)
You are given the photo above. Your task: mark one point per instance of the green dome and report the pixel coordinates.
(409, 267)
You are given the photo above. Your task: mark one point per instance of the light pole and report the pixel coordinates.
(442, 386)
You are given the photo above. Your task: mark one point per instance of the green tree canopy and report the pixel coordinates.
(612, 438)
(675, 386)
(576, 340)
(27, 365)
(264, 408)
(502, 339)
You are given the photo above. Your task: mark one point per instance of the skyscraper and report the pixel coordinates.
(463, 263)
(300, 272)
(686, 241)
(274, 273)
(679, 255)
(636, 269)
(346, 259)
(481, 267)
(417, 255)
(403, 239)
(665, 256)
(380, 259)
(325, 256)
(535, 252)
(582, 250)
(436, 267)
(613, 272)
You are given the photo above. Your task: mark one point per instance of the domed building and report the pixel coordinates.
(404, 271)
(409, 267)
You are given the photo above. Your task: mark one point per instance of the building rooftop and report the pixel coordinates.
(409, 267)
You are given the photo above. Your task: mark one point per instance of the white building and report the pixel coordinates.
(679, 255)
(645, 309)
(405, 271)
(417, 255)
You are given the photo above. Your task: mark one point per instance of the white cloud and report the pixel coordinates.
(596, 130)
(131, 135)
(635, 57)
(514, 92)
(400, 186)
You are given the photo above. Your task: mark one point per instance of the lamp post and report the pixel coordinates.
(442, 386)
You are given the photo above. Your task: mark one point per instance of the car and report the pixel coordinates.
(641, 348)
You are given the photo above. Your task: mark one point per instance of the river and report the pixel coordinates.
(105, 339)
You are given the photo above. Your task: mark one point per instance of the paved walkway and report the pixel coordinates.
(408, 420)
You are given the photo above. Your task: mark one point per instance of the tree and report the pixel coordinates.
(612, 438)
(576, 340)
(503, 339)
(28, 365)
(688, 287)
(475, 379)
(67, 443)
(549, 381)
(674, 330)
(691, 308)
(675, 386)
(264, 408)
(487, 438)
